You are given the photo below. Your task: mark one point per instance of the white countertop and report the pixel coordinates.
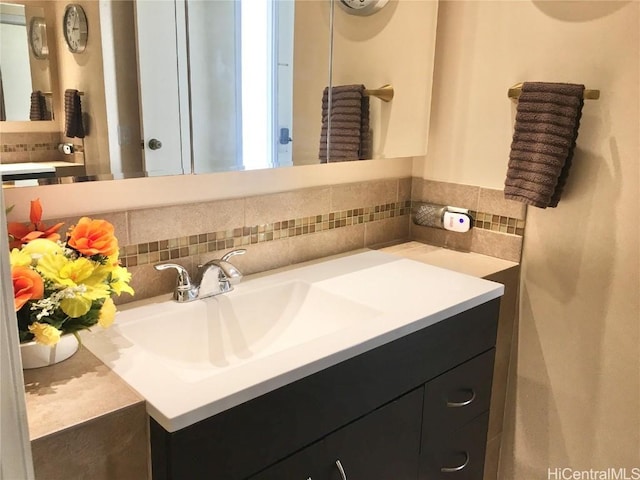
(470, 263)
(41, 169)
(407, 295)
(26, 167)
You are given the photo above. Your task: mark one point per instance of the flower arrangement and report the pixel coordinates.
(63, 286)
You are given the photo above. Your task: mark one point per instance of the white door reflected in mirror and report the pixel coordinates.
(230, 108)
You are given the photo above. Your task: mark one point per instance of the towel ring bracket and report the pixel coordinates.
(384, 93)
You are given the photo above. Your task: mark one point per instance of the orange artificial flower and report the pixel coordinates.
(27, 285)
(21, 234)
(93, 237)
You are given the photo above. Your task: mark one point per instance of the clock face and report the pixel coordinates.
(38, 38)
(75, 28)
(362, 7)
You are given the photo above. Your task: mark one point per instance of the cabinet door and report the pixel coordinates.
(308, 464)
(457, 455)
(384, 445)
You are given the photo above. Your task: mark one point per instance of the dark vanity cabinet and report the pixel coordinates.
(414, 408)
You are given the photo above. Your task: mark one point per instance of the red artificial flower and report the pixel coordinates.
(20, 234)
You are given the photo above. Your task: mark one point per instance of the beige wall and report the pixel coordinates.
(310, 77)
(576, 399)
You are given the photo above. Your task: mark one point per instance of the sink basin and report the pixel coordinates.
(191, 361)
(197, 339)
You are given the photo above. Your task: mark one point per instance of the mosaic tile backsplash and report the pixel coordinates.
(244, 235)
(175, 248)
(34, 147)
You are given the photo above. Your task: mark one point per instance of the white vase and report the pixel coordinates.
(35, 355)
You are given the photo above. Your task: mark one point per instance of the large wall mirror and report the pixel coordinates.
(173, 87)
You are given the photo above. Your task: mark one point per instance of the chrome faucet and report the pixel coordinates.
(213, 278)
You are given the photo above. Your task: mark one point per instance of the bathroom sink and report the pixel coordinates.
(190, 361)
(199, 338)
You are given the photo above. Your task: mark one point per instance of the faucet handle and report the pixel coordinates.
(228, 272)
(228, 255)
(185, 290)
(231, 271)
(183, 280)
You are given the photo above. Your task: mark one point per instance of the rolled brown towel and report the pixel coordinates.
(544, 139)
(350, 137)
(38, 110)
(73, 114)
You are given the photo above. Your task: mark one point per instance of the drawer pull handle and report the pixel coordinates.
(465, 403)
(343, 475)
(459, 467)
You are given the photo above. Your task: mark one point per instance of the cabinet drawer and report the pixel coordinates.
(458, 396)
(457, 455)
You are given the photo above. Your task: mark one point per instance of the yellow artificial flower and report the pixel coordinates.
(120, 279)
(19, 258)
(44, 333)
(82, 277)
(41, 246)
(76, 306)
(114, 259)
(107, 313)
(72, 273)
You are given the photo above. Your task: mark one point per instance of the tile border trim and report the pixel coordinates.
(181, 247)
(37, 147)
(28, 147)
(498, 223)
(191, 245)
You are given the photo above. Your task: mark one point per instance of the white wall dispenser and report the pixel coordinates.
(450, 218)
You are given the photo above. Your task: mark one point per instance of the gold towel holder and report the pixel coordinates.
(384, 93)
(516, 90)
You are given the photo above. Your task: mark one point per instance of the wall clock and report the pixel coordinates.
(75, 28)
(362, 7)
(38, 38)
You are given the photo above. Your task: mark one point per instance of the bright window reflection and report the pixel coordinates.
(257, 82)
